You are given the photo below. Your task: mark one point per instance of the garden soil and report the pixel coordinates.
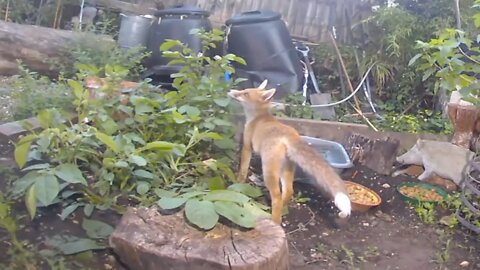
(390, 236)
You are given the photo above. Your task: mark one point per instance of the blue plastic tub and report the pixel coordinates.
(333, 152)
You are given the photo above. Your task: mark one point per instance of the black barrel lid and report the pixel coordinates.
(182, 10)
(254, 16)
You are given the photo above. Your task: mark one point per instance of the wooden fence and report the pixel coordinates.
(306, 19)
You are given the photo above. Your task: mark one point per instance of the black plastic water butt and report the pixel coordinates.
(263, 40)
(173, 23)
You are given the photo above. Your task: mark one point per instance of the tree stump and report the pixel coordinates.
(376, 154)
(464, 119)
(148, 240)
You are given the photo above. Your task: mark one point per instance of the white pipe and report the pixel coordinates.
(80, 17)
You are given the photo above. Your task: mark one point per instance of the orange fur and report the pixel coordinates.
(281, 147)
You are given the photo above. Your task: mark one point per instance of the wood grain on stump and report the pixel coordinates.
(464, 119)
(148, 240)
(376, 154)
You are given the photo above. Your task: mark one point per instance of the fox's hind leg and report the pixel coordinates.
(287, 181)
(272, 169)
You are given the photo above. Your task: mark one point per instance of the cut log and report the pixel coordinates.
(376, 154)
(147, 240)
(37, 47)
(464, 119)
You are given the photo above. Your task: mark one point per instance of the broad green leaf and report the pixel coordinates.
(256, 209)
(69, 210)
(77, 88)
(96, 229)
(235, 213)
(121, 164)
(211, 135)
(247, 189)
(36, 167)
(158, 145)
(143, 174)
(225, 143)
(47, 188)
(70, 173)
(138, 160)
(221, 122)
(143, 108)
(162, 193)
(178, 117)
(22, 148)
(79, 245)
(22, 184)
(189, 110)
(216, 183)
(4, 210)
(201, 213)
(108, 141)
(45, 118)
(143, 187)
(168, 44)
(88, 209)
(192, 194)
(31, 201)
(226, 195)
(167, 203)
(222, 102)
(414, 59)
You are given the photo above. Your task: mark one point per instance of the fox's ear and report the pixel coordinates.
(263, 84)
(235, 94)
(268, 94)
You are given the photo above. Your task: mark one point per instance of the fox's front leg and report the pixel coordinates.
(245, 156)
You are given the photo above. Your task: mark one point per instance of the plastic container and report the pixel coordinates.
(262, 39)
(333, 152)
(173, 23)
(134, 30)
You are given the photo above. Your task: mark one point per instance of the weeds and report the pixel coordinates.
(426, 212)
(442, 256)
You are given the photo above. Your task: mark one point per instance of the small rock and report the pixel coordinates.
(365, 224)
(386, 185)
(383, 216)
(464, 264)
(447, 220)
(374, 223)
(297, 260)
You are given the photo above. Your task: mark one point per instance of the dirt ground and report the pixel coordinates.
(388, 237)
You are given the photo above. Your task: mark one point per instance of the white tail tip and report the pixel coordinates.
(343, 203)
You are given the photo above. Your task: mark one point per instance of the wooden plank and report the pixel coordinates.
(125, 7)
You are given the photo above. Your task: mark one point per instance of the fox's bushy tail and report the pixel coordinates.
(325, 176)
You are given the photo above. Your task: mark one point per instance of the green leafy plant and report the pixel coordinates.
(423, 121)
(203, 208)
(295, 107)
(32, 93)
(21, 256)
(144, 145)
(426, 212)
(452, 57)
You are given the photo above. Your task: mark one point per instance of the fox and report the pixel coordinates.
(281, 148)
